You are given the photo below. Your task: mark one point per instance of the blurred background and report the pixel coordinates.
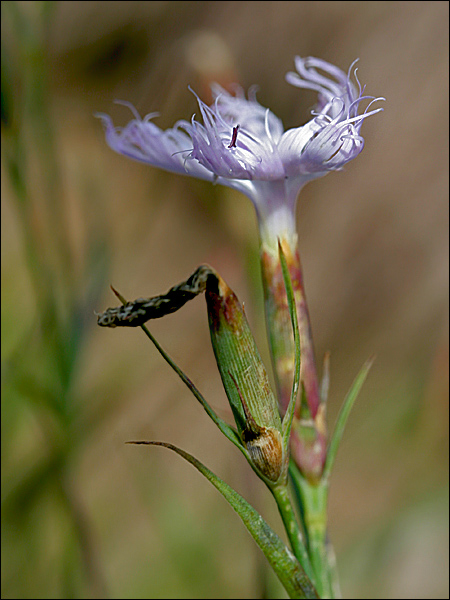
(83, 514)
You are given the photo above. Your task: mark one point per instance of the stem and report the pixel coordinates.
(314, 502)
(316, 522)
(283, 501)
(308, 435)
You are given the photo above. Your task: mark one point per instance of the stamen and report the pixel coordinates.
(234, 137)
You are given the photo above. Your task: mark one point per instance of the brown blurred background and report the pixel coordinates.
(374, 246)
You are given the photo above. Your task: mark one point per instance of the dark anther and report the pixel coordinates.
(234, 137)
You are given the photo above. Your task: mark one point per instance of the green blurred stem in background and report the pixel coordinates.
(42, 370)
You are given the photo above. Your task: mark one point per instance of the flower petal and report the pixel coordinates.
(257, 120)
(242, 145)
(309, 78)
(144, 141)
(331, 138)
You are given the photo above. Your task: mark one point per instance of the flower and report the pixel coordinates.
(243, 145)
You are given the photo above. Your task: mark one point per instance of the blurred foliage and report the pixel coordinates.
(40, 368)
(82, 514)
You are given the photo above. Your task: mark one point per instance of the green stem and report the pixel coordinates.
(314, 501)
(316, 522)
(290, 523)
(333, 576)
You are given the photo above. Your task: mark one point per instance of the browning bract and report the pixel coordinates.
(266, 452)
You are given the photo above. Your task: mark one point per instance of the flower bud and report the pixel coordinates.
(245, 380)
(309, 444)
(254, 406)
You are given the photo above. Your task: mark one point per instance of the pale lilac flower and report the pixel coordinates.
(243, 145)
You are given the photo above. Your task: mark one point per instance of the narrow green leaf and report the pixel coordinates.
(228, 431)
(287, 420)
(343, 416)
(283, 562)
